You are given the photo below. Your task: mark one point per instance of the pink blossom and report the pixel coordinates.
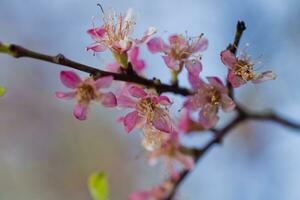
(186, 124)
(85, 91)
(209, 97)
(149, 109)
(180, 51)
(240, 70)
(115, 34)
(171, 151)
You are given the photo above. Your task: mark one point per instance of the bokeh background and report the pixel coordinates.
(46, 154)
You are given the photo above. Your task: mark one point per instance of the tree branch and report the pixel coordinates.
(19, 52)
(240, 28)
(242, 115)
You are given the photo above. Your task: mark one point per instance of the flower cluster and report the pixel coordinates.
(148, 110)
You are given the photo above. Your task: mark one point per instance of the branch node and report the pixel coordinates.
(59, 58)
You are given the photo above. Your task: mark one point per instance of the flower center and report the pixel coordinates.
(86, 92)
(146, 108)
(213, 96)
(244, 69)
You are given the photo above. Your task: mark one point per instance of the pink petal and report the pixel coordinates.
(164, 100)
(235, 81)
(70, 79)
(97, 33)
(156, 45)
(217, 83)
(65, 95)
(227, 103)
(131, 120)
(195, 81)
(136, 91)
(171, 63)
(108, 99)
(138, 65)
(96, 47)
(80, 112)
(193, 67)
(199, 45)
(228, 59)
(208, 116)
(184, 121)
(103, 82)
(113, 67)
(125, 101)
(162, 121)
(140, 195)
(265, 76)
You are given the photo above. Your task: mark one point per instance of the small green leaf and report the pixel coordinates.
(98, 186)
(2, 91)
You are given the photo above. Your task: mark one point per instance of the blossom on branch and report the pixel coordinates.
(208, 97)
(115, 34)
(172, 153)
(180, 51)
(240, 69)
(85, 91)
(149, 109)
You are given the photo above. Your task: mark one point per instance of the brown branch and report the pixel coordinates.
(240, 28)
(19, 52)
(242, 115)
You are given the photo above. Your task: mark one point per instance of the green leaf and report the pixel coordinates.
(98, 186)
(2, 91)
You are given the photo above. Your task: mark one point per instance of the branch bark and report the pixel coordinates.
(19, 52)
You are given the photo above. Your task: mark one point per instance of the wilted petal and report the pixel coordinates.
(199, 45)
(131, 120)
(137, 64)
(96, 33)
(228, 59)
(235, 81)
(96, 47)
(136, 91)
(70, 79)
(171, 63)
(80, 112)
(227, 103)
(193, 67)
(103, 82)
(157, 45)
(108, 99)
(265, 76)
(208, 116)
(65, 95)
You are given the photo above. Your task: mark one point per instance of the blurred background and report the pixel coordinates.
(46, 154)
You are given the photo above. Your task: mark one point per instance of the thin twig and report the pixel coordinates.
(19, 52)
